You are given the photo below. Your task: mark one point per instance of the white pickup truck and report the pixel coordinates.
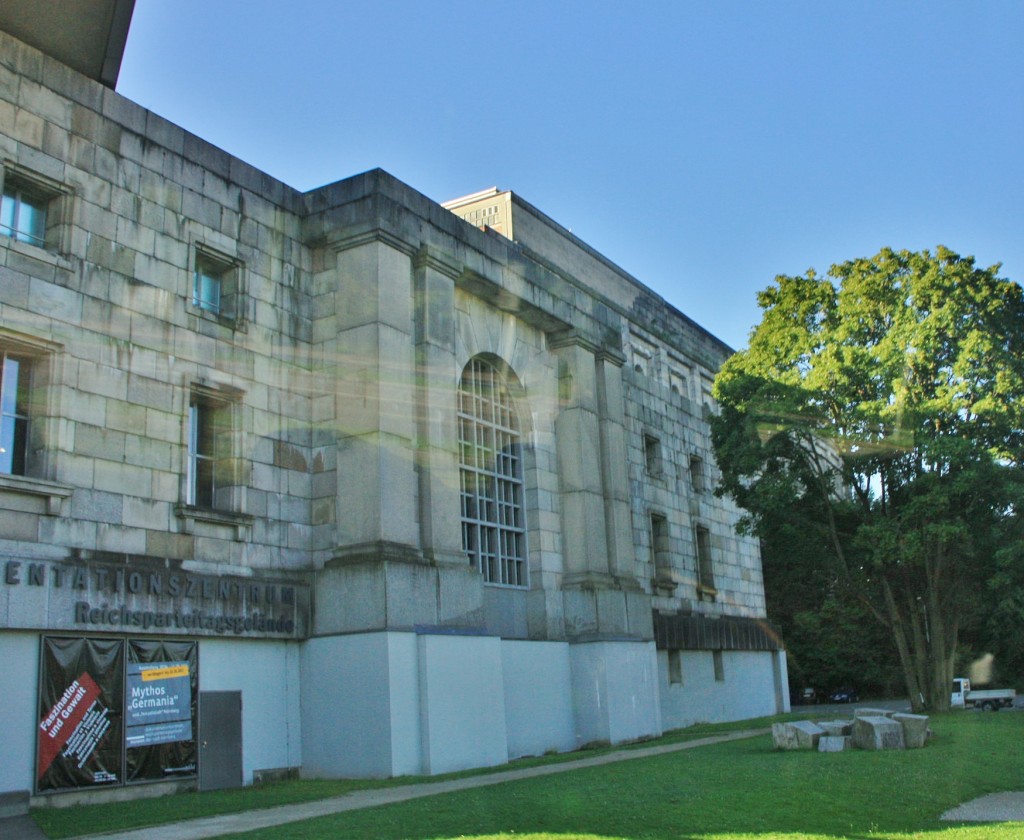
(991, 700)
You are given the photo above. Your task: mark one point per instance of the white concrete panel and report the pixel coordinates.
(346, 719)
(615, 691)
(462, 703)
(20, 654)
(360, 706)
(538, 697)
(780, 675)
(267, 674)
(747, 691)
(406, 754)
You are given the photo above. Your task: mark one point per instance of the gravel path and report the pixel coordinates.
(996, 807)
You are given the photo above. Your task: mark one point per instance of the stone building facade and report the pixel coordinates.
(413, 493)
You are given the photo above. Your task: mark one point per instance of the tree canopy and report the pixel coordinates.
(882, 408)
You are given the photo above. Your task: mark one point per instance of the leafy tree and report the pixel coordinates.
(831, 639)
(1006, 615)
(882, 407)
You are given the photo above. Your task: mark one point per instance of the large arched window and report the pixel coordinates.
(491, 476)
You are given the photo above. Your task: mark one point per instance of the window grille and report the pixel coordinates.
(491, 477)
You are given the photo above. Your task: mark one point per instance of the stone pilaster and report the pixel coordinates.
(601, 596)
(436, 434)
(375, 402)
(459, 599)
(614, 474)
(578, 433)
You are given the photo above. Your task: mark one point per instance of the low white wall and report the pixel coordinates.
(747, 691)
(360, 706)
(615, 691)
(462, 702)
(19, 653)
(538, 697)
(390, 704)
(267, 674)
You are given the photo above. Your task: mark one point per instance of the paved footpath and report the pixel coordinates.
(267, 817)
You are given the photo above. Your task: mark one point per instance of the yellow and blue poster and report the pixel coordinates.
(158, 703)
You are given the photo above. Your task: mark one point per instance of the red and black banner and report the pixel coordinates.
(93, 731)
(80, 713)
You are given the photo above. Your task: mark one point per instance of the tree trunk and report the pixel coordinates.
(942, 633)
(899, 634)
(926, 644)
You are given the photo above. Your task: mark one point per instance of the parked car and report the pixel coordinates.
(844, 695)
(808, 695)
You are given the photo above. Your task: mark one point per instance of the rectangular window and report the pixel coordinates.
(32, 208)
(206, 285)
(14, 413)
(675, 667)
(217, 285)
(716, 658)
(652, 455)
(705, 575)
(211, 467)
(659, 545)
(697, 474)
(23, 212)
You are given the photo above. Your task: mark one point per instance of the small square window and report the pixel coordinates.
(206, 284)
(23, 214)
(14, 413)
(652, 455)
(217, 285)
(30, 209)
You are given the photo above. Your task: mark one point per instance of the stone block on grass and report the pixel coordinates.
(915, 729)
(834, 743)
(868, 712)
(797, 735)
(877, 733)
(837, 728)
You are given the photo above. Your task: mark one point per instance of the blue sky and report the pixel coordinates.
(704, 147)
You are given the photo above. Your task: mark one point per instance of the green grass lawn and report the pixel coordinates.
(733, 791)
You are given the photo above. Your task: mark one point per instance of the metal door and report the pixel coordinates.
(220, 739)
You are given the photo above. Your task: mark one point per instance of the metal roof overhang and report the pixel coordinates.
(701, 632)
(87, 35)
